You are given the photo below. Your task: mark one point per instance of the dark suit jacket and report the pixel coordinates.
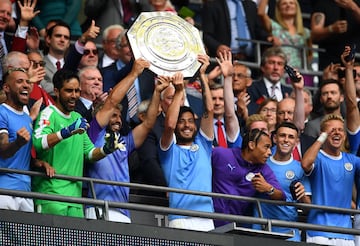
(258, 90)
(216, 23)
(196, 105)
(305, 142)
(81, 109)
(148, 155)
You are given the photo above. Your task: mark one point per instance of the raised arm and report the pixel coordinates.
(141, 131)
(352, 111)
(231, 120)
(319, 31)
(27, 14)
(172, 113)
(265, 19)
(118, 93)
(350, 6)
(310, 155)
(207, 118)
(299, 112)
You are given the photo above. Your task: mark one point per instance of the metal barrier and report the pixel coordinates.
(268, 223)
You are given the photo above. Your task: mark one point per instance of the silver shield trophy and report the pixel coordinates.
(167, 41)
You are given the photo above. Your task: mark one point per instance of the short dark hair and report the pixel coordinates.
(253, 135)
(184, 109)
(331, 81)
(288, 125)
(64, 75)
(50, 31)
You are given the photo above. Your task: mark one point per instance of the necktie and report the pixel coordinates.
(272, 94)
(132, 101)
(126, 9)
(220, 134)
(58, 65)
(2, 54)
(242, 27)
(296, 154)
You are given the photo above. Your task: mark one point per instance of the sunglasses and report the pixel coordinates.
(87, 52)
(39, 63)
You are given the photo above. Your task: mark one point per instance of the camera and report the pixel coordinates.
(352, 53)
(293, 188)
(292, 74)
(341, 73)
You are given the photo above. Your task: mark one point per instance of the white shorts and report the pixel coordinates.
(330, 241)
(193, 223)
(114, 215)
(16, 203)
(357, 226)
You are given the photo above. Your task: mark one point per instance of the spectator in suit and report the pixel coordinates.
(6, 9)
(90, 56)
(272, 67)
(83, 52)
(221, 27)
(58, 38)
(111, 53)
(91, 91)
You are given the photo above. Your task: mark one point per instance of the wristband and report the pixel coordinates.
(322, 138)
(60, 137)
(102, 151)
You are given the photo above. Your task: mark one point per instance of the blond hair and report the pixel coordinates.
(328, 118)
(254, 118)
(298, 19)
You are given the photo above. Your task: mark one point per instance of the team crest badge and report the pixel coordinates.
(249, 176)
(194, 148)
(290, 174)
(348, 166)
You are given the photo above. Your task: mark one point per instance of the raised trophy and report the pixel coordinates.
(167, 41)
